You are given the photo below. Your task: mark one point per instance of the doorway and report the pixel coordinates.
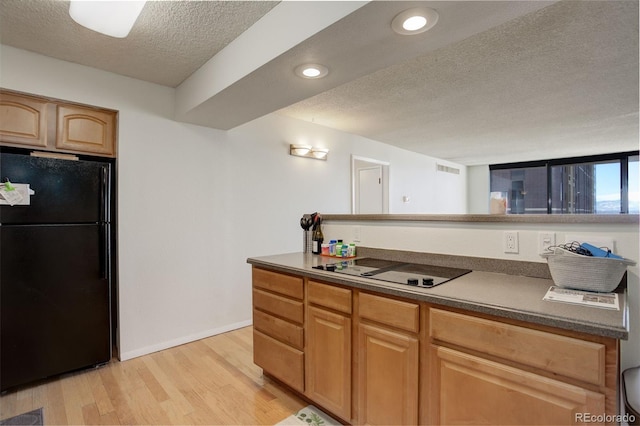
(370, 186)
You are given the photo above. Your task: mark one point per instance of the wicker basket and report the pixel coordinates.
(601, 274)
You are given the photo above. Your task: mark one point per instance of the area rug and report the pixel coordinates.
(309, 415)
(31, 418)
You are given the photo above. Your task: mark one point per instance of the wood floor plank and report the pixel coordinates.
(110, 419)
(211, 382)
(8, 406)
(100, 395)
(75, 393)
(23, 397)
(90, 414)
(55, 404)
(153, 385)
(177, 403)
(116, 387)
(146, 408)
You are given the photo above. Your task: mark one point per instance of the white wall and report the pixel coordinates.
(485, 240)
(194, 202)
(478, 188)
(429, 190)
(174, 285)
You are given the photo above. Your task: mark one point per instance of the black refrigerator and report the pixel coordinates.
(55, 268)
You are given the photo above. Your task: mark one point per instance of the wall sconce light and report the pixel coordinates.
(308, 152)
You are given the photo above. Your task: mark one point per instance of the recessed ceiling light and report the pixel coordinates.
(311, 71)
(414, 21)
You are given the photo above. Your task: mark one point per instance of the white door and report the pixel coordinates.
(370, 190)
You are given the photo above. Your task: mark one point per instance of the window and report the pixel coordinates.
(604, 184)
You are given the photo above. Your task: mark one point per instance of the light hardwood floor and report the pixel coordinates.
(211, 381)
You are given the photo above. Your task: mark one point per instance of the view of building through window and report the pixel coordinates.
(606, 184)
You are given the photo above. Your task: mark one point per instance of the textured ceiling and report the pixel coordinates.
(170, 40)
(491, 82)
(561, 81)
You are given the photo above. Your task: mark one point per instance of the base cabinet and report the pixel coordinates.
(278, 326)
(328, 355)
(466, 389)
(369, 358)
(387, 376)
(388, 360)
(489, 372)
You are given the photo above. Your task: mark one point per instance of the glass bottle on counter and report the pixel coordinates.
(318, 237)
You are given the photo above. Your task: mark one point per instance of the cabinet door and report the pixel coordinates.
(23, 120)
(465, 389)
(86, 130)
(328, 360)
(387, 376)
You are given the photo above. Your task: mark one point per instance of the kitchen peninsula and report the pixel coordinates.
(372, 352)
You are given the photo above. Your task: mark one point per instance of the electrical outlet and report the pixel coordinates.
(356, 234)
(546, 240)
(510, 242)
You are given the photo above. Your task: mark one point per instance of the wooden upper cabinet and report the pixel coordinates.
(52, 125)
(86, 129)
(23, 120)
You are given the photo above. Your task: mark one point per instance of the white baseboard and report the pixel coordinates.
(182, 340)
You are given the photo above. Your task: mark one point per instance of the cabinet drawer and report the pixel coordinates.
(562, 355)
(279, 329)
(281, 306)
(404, 315)
(288, 285)
(279, 360)
(329, 296)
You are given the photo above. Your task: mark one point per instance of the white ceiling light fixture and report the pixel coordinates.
(311, 71)
(414, 21)
(112, 18)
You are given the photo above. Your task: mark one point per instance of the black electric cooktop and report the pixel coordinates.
(412, 274)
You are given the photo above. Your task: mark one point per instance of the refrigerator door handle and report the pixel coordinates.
(104, 251)
(104, 188)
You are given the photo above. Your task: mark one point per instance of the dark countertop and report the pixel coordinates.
(508, 296)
